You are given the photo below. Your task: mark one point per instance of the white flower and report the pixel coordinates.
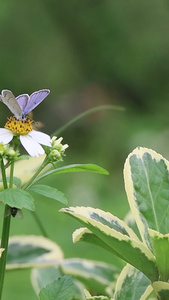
(31, 141)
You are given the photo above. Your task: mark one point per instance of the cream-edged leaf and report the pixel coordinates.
(148, 294)
(147, 184)
(83, 234)
(95, 275)
(32, 251)
(161, 289)
(131, 250)
(160, 243)
(88, 296)
(1, 250)
(131, 284)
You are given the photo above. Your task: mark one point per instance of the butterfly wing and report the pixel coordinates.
(35, 99)
(9, 100)
(22, 101)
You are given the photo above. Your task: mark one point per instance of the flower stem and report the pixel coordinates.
(4, 244)
(11, 175)
(5, 234)
(29, 183)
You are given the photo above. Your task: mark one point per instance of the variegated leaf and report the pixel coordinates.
(147, 184)
(149, 294)
(161, 289)
(160, 244)
(95, 275)
(113, 232)
(131, 284)
(32, 251)
(83, 234)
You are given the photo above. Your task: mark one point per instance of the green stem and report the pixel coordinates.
(11, 175)
(39, 223)
(29, 183)
(4, 245)
(3, 175)
(5, 234)
(86, 113)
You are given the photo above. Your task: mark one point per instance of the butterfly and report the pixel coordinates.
(23, 104)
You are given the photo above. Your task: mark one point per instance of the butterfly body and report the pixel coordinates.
(23, 104)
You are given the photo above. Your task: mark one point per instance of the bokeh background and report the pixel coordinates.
(88, 53)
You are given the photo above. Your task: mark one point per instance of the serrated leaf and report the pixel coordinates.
(95, 275)
(99, 298)
(17, 198)
(160, 244)
(49, 192)
(147, 184)
(161, 289)
(74, 168)
(85, 235)
(60, 289)
(131, 284)
(89, 297)
(130, 249)
(32, 251)
(40, 277)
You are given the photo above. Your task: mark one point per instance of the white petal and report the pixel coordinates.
(40, 137)
(31, 146)
(5, 135)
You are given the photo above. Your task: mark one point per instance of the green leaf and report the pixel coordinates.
(147, 184)
(17, 198)
(131, 284)
(22, 157)
(60, 289)
(49, 192)
(160, 244)
(74, 168)
(32, 251)
(40, 277)
(118, 236)
(93, 274)
(17, 181)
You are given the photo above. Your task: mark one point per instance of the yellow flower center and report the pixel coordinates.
(18, 126)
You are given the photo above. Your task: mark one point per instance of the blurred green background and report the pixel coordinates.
(88, 53)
